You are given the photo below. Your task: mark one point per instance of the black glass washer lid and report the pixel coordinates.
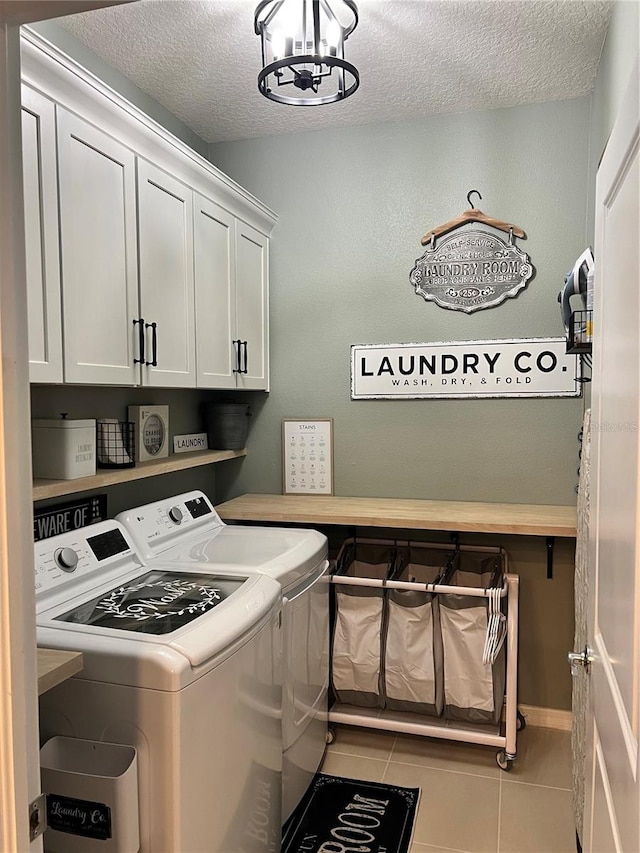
(157, 602)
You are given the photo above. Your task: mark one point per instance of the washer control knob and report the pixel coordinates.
(175, 514)
(66, 558)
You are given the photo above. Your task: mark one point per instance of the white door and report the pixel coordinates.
(98, 248)
(252, 306)
(215, 289)
(165, 236)
(612, 807)
(40, 185)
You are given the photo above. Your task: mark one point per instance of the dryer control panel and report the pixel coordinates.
(156, 526)
(69, 558)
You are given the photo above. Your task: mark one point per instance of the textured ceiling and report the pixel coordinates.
(200, 59)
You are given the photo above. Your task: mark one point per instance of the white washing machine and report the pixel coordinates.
(183, 664)
(187, 530)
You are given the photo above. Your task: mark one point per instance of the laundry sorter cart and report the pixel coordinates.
(425, 641)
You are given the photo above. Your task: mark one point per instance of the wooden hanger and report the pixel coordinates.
(472, 215)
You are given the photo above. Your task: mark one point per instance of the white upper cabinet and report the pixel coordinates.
(232, 310)
(98, 253)
(252, 307)
(41, 237)
(162, 273)
(215, 278)
(165, 245)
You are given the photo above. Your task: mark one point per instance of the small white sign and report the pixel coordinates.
(188, 443)
(528, 367)
(307, 451)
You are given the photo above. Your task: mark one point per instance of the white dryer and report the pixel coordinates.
(183, 664)
(187, 530)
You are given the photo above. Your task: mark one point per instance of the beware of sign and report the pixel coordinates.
(61, 518)
(529, 367)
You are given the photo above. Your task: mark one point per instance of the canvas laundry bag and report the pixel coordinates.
(412, 665)
(357, 653)
(413, 649)
(473, 691)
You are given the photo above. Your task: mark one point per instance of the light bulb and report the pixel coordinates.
(334, 33)
(277, 44)
(288, 18)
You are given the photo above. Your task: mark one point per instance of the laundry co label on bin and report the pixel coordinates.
(78, 817)
(527, 367)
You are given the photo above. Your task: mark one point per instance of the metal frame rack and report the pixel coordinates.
(394, 721)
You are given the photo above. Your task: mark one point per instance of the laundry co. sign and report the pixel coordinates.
(530, 367)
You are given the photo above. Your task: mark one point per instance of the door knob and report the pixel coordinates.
(583, 659)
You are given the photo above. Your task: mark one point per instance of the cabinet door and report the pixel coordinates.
(41, 237)
(98, 253)
(165, 212)
(215, 242)
(252, 305)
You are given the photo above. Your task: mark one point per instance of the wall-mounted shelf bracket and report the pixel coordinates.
(550, 543)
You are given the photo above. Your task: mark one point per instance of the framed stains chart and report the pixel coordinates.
(307, 456)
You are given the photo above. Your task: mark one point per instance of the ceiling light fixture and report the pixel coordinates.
(303, 50)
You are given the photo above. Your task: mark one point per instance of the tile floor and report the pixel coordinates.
(467, 803)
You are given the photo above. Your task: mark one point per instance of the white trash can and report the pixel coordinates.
(92, 796)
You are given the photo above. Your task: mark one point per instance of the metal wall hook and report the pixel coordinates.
(469, 194)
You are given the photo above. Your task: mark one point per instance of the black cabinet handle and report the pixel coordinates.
(154, 344)
(246, 357)
(141, 341)
(236, 346)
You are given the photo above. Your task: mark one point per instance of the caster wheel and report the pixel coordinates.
(503, 762)
(521, 724)
(330, 736)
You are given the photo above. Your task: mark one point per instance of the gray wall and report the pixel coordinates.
(353, 205)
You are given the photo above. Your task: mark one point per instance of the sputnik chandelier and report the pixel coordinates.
(303, 50)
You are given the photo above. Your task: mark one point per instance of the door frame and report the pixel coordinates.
(19, 755)
(19, 776)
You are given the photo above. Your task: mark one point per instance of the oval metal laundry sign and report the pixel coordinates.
(470, 270)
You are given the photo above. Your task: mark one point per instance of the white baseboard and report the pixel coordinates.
(547, 718)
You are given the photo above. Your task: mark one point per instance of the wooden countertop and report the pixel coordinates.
(459, 516)
(56, 666)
